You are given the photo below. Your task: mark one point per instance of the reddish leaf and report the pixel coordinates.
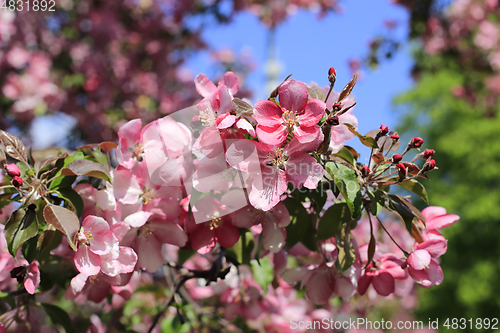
(13, 146)
(347, 89)
(103, 146)
(242, 107)
(86, 168)
(378, 158)
(63, 220)
(415, 233)
(39, 165)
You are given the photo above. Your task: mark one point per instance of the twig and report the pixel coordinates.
(387, 232)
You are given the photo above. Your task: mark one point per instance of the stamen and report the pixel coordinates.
(289, 119)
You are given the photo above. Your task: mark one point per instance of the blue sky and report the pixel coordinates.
(307, 47)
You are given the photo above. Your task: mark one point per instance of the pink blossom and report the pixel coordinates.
(382, 275)
(32, 280)
(220, 96)
(295, 114)
(278, 166)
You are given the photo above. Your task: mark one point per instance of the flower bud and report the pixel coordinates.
(365, 171)
(396, 158)
(13, 170)
(428, 153)
(416, 142)
(333, 121)
(429, 165)
(17, 181)
(395, 137)
(384, 129)
(337, 107)
(401, 170)
(332, 75)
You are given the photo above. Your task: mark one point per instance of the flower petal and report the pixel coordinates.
(303, 170)
(168, 233)
(384, 283)
(312, 114)
(267, 113)
(86, 261)
(273, 136)
(293, 95)
(419, 259)
(204, 86)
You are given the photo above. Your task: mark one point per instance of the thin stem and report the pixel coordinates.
(329, 92)
(169, 303)
(387, 232)
(7, 186)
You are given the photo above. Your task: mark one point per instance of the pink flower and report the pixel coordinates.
(273, 223)
(219, 227)
(382, 276)
(32, 279)
(220, 97)
(278, 166)
(95, 239)
(294, 114)
(423, 269)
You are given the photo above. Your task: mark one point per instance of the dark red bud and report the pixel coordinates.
(395, 137)
(384, 129)
(365, 170)
(396, 158)
(17, 181)
(416, 142)
(428, 153)
(12, 170)
(332, 75)
(401, 170)
(404, 265)
(333, 121)
(337, 107)
(431, 164)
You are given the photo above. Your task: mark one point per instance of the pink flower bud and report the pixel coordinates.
(396, 158)
(332, 71)
(365, 171)
(395, 137)
(416, 142)
(384, 129)
(337, 107)
(17, 181)
(12, 170)
(428, 153)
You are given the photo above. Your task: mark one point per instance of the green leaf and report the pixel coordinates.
(73, 198)
(346, 155)
(376, 201)
(21, 226)
(349, 186)
(346, 253)
(60, 165)
(263, 273)
(300, 227)
(29, 249)
(242, 250)
(63, 220)
(416, 187)
(365, 139)
(59, 317)
(332, 219)
(405, 210)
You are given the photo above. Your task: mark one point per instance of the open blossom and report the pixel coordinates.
(278, 166)
(295, 114)
(219, 227)
(382, 275)
(273, 223)
(219, 96)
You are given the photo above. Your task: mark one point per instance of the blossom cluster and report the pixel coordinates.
(235, 187)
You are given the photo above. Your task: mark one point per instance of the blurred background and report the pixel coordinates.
(427, 67)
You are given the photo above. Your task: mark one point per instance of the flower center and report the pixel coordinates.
(148, 195)
(289, 119)
(138, 151)
(84, 237)
(277, 158)
(207, 117)
(214, 223)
